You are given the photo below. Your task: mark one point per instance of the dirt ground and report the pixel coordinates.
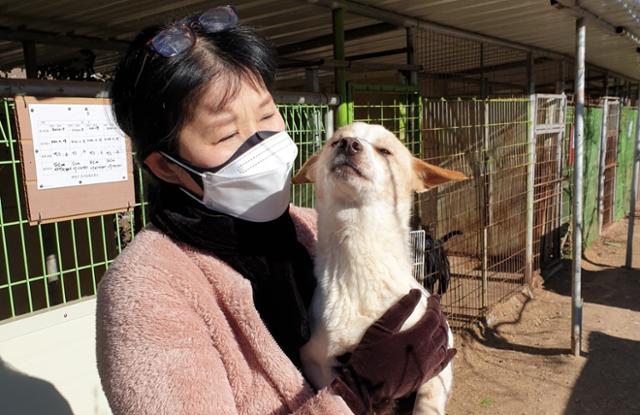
(518, 361)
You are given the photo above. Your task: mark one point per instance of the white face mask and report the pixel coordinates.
(255, 183)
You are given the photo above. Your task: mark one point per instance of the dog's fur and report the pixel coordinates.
(364, 198)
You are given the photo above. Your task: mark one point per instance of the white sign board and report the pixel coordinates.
(76, 145)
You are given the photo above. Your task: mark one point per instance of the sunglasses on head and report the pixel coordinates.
(179, 36)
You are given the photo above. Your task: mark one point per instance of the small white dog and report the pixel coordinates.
(364, 179)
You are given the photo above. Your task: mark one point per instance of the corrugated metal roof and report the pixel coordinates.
(537, 23)
(530, 22)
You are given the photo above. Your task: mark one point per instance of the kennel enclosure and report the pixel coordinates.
(491, 107)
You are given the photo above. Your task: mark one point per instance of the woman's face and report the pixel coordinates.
(214, 134)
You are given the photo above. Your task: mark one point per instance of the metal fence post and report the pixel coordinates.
(340, 72)
(602, 162)
(413, 103)
(634, 189)
(531, 77)
(483, 79)
(312, 79)
(486, 218)
(576, 268)
(531, 171)
(328, 122)
(411, 55)
(531, 167)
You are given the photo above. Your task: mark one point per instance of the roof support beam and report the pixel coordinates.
(284, 62)
(471, 80)
(48, 88)
(67, 40)
(353, 66)
(570, 81)
(380, 54)
(575, 10)
(78, 41)
(29, 52)
(408, 21)
(500, 67)
(327, 40)
(352, 6)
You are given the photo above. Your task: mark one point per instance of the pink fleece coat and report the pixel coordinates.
(178, 333)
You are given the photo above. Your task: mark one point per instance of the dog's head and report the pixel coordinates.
(364, 162)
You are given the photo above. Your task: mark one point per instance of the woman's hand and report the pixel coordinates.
(389, 363)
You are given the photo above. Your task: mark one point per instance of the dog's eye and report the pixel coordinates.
(384, 151)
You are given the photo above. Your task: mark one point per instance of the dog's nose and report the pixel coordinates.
(350, 145)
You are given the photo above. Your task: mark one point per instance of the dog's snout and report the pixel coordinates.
(350, 145)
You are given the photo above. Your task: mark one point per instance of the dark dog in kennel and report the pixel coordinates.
(436, 263)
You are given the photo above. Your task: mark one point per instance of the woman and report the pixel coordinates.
(205, 311)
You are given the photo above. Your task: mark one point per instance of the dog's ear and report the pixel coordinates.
(429, 176)
(307, 172)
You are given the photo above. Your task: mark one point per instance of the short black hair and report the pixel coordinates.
(152, 106)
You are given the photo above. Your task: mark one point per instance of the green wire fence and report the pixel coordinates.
(49, 264)
(397, 107)
(306, 125)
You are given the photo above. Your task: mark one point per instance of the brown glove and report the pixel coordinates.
(389, 364)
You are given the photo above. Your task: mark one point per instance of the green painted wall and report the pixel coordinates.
(628, 119)
(592, 126)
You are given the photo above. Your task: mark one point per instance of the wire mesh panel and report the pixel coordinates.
(49, 264)
(396, 107)
(506, 145)
(305, 124)
(610, 159)
(550, 126)
(480, 221)
(417, 244)
(453, 138)
(454, 66)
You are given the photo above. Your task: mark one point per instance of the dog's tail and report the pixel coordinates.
(450, 235)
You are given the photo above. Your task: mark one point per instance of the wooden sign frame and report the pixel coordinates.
(74, 202)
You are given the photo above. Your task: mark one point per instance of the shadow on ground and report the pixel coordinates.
(612, 286)
(610, 381)
(490, 336)
(21, 394)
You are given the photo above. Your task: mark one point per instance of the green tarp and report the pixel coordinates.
(592, 127)
(592, 131)
(628, 119)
